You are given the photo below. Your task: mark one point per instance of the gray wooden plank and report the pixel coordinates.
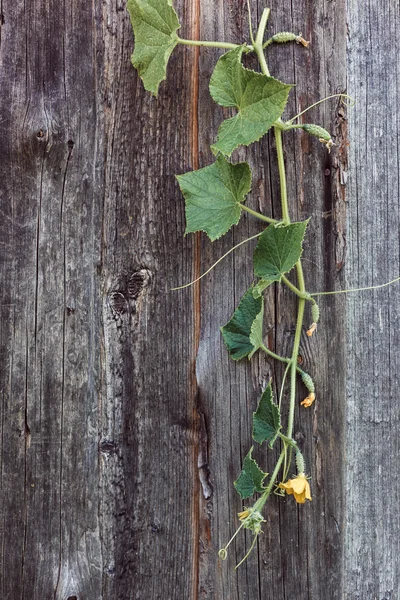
(149, 473)
(372, 542)
(50, 247)
(299, 554)
(123, 421)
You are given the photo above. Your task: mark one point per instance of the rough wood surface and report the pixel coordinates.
(123, 422)
(372, 549)
(299, 555)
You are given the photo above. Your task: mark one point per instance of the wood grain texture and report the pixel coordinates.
(372, 548)
(123, 421)
(299, 554)
(50, 252)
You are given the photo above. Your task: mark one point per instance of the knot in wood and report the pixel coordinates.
(108, 447)
(117, 302)
(137, 282)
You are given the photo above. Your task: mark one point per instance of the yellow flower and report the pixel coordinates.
(313, 327)
(243, 515)
(309, 400)
(299, 487)
(302, 41)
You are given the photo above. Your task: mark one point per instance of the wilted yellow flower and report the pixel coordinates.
(299, 487)
(302, 41)
(313, 327)
(327, 143)
(309, 400)
(243, 515)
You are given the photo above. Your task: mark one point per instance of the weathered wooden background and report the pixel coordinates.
(123, 422)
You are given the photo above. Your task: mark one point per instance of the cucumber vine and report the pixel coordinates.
(215, 197)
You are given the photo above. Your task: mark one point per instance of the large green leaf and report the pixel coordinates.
(266, 419)
(155, 24)
(256, 331)
(238, 331)
(251, 478)
(213, 195)
(260, 101)
(278, 249)
(260, 286)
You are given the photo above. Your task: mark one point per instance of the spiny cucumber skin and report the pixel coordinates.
(318, 132)
(315, 313)
(308, 382)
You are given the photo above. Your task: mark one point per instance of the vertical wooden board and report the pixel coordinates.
(102, 356)
(226, 389)
(300, 552)
(149, 477)
(317, 190)
(50, 237)
(372, 541)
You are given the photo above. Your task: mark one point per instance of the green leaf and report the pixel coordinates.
(260, 287)
(155, 24)
(237, 331)
(256, 331)
(213, 195)
(251, 478)
(260, 101)
(278, 250)
(266, 419)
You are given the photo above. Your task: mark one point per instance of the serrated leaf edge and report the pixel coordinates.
(250, 458)
(273, 439)
(281, 226)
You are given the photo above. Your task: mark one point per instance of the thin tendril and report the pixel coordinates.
(286, 471)
(249, 552)
(285, 460)
(223, 551)
(362, 289)
(351, 103)
(250, 23)
(283, 383)
(181, 287)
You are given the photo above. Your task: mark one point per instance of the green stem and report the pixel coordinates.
(273, 355)
(287, 440)
(301, 285)
(283, 359)
(262, 499)
(295, 351)
(258, 44)
(227, 45)
(257, 214)
(261, 27)
(282, 175)
(296, 290)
